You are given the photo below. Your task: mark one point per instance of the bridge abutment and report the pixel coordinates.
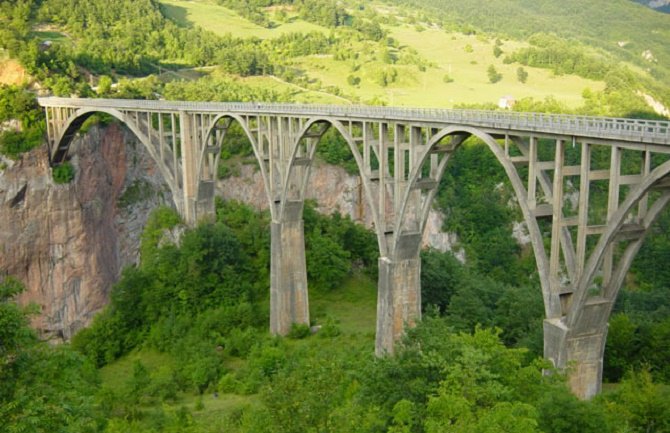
(580, 354)
(288, 276)
(398, 300)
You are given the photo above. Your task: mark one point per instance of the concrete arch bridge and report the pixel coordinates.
(582, 256)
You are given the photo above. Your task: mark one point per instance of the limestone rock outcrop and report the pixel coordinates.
(68, 243)
(334, 190)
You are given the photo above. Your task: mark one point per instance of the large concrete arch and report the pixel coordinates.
(351, 143)
(74, 123)
(608, 237)
(211, 140)
(551, 301)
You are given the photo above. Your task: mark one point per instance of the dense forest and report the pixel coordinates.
(183, 344)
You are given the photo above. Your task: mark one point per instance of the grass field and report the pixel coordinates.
(220, 20)
(446, 52)
(298, 94)
(354, 305)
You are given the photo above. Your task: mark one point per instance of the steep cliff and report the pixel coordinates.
(68, 243)
(333, 189)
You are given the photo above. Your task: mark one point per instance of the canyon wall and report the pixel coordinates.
(68, 243)
(334, 190)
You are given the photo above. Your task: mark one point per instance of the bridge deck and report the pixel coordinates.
(607, 128)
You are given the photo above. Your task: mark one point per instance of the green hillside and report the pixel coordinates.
(621, 28)
(444, 52)
(220, 20)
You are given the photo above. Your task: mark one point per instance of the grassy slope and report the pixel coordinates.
(470, 85)
(353, 307)
(414, 88)
(220, 20)
(599, 23)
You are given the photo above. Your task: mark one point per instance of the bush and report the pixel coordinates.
(494, 75)
(521, 74)
(299, 331)
(63, 173)
(13, 143)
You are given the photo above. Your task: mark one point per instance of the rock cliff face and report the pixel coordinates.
(68, 243)
(334, 190)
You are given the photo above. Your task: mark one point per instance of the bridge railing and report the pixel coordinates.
(648, 131)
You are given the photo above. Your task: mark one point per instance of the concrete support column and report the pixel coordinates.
(288, 276)
(205, 208)
(580, 353)
(398, 300)
(189, 168)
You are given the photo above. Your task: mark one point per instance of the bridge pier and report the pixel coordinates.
(398, 300)
(578, 352)
(288, 276)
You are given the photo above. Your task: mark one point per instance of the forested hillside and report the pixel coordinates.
(183, 345)
(619, 27)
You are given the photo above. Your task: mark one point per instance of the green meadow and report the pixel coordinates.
(220, 20)
(463, 58)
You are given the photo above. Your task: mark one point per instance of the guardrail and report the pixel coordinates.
(638, 130)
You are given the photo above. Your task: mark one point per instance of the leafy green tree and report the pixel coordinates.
(560, 411)
(353, 80)
(63, 173)
(42, 388)
(441, 276)
(104, 85)
(622, 346)
(493, 74)
(521, 74)
(643, 405)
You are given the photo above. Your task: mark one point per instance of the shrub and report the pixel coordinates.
(63, 173)
(299, 331)
(494, 75)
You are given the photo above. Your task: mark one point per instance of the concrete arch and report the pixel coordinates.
(367, 187)
(551, 300)
(611, 231)
(254, 146)
(74, 123)
(631, 251)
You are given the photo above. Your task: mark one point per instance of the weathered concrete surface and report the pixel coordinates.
(68, 243)
(288, 277)
(398, 301)
(580, 354)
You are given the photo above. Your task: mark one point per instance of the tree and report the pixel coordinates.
(643, 405)
(441, 275)
(493, 74)
(42, 388)
(104, 85)
(497, 51)
(521, 74)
